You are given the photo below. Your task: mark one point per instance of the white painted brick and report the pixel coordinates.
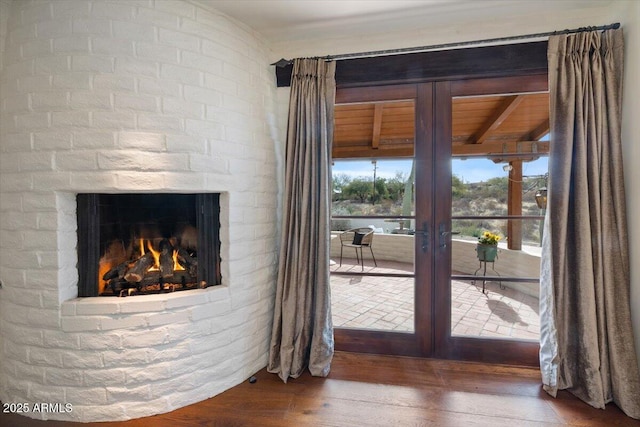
(178, 107)
(18, 221)
(36, 48)
(198, 156)
(113, 82)
(205, 128)
(125, 65)
(71, 44)
(133, 31)
(86, 396)
(34, 83)
(91, 26)
(30, 372)
(45, 357)
(202, 95)
(72, 81)
(38, 239)
(104, 377)
(39, 317)
(21, 33)
(146, 338)
(158, 87)
(32, 121)
(68, 8)
(99, 64)
(120, 394)
(51, 29)
(212, 164)
(105, 9)
(220, 84)
(171, 352)
(178, 39)
(122, 322)
(168, 318)
(36, 13)
(109, 46)
(136, 181)
(103, 139)
(176, 7)
(186, 144)
(19, 69)
(160, 123)
(49, 101)
(80, 324)
(142, 141)
(113, 120)
(76, 161)
(201, 62)
(128, 357)
(155, 52)
(155, 17)
(10, 162)
(82, 360)
(136, 102)
(90, 101)
(19, 103)
(63, 377)
(36, 161)
(88, 181)
(184, 75)
(63, 119)
(23, 335)
(102, 341)
(37, 201)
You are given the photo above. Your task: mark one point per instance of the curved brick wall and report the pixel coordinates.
(130, 96)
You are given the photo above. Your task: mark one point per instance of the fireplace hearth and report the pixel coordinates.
(135, 244)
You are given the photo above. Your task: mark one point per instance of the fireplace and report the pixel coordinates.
(135, 244)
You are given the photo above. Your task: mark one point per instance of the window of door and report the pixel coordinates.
(376, 224)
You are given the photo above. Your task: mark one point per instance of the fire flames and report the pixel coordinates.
(156, 256)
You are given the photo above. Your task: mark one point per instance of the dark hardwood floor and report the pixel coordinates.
(370, 390)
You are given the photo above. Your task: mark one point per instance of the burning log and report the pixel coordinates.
(117, 271)
(188, 262)
(139, 268)
(166, 259)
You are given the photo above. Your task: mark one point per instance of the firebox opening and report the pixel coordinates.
(131, 244)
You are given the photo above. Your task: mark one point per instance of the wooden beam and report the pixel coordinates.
(377, 125)
(514, 206)
(499, 115)
(500, 147)
(540, 131)
(480, 62)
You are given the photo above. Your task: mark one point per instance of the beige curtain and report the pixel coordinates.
(586, 337)
(302, 334)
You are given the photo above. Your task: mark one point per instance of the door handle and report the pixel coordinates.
(444, 234)
(425, 236)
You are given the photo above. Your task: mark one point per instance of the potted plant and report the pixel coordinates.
(487, 247)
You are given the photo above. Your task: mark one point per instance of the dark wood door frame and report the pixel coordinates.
(446, 346)
(435, 77)
(420, 342)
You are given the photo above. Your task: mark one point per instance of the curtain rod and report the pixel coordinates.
(284, 62)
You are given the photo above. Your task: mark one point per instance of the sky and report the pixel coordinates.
(470, 170)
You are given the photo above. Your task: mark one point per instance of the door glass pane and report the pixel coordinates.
(500, 163)
(372, 244)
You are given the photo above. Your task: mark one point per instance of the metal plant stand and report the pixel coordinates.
(483, 266)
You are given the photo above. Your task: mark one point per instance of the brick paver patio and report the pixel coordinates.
(386, 303)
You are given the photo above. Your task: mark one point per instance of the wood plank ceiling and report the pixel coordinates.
(482, 125)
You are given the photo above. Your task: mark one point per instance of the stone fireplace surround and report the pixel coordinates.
(124, 97)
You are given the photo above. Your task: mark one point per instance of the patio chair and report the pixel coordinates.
(358, 238)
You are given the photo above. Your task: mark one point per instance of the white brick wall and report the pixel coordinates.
(130, 96)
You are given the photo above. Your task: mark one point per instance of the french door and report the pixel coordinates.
(430, 225)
